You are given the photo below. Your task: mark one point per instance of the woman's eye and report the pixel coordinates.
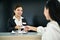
(18, 10)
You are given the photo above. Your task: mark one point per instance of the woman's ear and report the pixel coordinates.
(14, 11)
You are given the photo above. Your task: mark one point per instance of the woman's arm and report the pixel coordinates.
(39, 29)
(32, 28)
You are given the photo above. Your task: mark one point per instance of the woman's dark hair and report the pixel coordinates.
(16, 6)
(54, 10)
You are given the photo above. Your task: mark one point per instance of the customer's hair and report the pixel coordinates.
(54, 10)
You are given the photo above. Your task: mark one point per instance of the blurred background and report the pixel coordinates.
(33, 12)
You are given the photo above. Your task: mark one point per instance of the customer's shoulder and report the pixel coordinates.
(53, 23)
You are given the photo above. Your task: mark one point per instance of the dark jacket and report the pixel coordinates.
(12, 24)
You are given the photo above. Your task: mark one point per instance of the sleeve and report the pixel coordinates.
(11, 25)
(41, 29)
(51, 25)
(52, 31)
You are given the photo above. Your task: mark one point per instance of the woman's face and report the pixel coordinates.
(46, 13)
(18, 11)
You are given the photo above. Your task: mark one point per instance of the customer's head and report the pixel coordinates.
(18, 10)
(52, 10)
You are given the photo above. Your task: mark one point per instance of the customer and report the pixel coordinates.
(52, 30)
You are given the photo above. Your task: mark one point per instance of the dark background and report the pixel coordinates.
(33, 12)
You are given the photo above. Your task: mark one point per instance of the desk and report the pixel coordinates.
(17, 36)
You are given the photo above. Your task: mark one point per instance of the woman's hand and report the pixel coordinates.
(18, 27)
(27, 28)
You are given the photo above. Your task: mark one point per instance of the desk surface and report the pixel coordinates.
(16, 34)
(20, 36)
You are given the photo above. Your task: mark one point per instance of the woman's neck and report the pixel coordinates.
(18, 17)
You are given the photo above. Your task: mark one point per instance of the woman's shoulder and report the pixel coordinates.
(53, 24)
(10, 19)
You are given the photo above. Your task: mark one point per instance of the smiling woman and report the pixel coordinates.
(33, 12)
(16, 22)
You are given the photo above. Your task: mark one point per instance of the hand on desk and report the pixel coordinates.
(27, 28)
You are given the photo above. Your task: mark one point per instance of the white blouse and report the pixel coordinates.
(18, 22)
(50, 32)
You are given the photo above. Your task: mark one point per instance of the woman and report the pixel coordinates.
(17, 21)
(52, 30)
